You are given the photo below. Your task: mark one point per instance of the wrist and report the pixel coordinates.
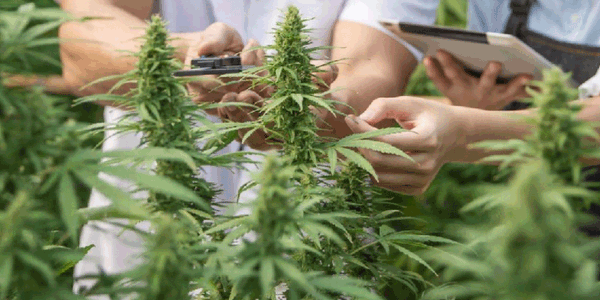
(477, 125)
(464, 127)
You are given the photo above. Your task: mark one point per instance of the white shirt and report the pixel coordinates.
(117, 251)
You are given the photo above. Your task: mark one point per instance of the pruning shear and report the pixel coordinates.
(213, 65)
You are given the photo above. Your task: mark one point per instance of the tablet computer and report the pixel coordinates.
(474, 49)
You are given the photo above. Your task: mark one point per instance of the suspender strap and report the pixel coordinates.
(155, 7)
(518, 17)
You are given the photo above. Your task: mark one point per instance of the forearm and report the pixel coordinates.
(120, 30)
(481, 125)
(438, 99)
(98, 41)
(356, 93)
(373, 65)
(94, 49)
(477, 125)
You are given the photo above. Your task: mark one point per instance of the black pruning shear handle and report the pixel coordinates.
(213, 65)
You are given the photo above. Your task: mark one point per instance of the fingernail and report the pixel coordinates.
(494, 67)
(367, 115)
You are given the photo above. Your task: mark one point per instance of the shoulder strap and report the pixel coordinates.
(518, 17)
(156, 8)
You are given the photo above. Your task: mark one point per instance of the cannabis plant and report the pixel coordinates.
(530, 247)
(533, 252)
(256, 267)
(42, 164)
(332, 170)
(558, 137)
(164, 114)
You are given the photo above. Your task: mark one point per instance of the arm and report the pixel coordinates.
(374, 65)
(84, 61)
(441, 134)
(93, 51)
(481, 125)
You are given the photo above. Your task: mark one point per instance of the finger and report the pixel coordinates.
(208, 89)
(421, 164)
(238, 113)
(488, 78)
(204, 98)
(258, 139)
(225, 111)
(233, 112)
(221, 112)
(252, 98)
(450, 67)
(54, 84)
(436, 74)
(406, 141)
(207, 98)
(217, 38)
(250, 57)
(403, 183)
(327, 73)
(401, 108)
(260, 54)
(263, 90)
(515, 89)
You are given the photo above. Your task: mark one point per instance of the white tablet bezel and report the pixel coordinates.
(515, 56)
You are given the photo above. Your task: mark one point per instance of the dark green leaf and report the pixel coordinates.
(68, 205)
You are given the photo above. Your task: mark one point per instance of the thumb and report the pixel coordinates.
(252, 57)
(401, 109)
(218, 38)
(210, 45)
(357, 125)
(515, 89)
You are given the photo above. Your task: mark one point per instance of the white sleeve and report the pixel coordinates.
(591, 87)
(369, 12)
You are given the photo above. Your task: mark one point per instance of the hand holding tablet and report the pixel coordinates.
(483, 92)
(474, 50)
(475, 69)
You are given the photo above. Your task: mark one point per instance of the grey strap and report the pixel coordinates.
(518, 17)
(156, 8)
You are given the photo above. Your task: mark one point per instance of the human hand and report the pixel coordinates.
(258, 140)
(465, 90)
(436, 137)
(221, 40)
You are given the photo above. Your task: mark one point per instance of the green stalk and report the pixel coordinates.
(166, 116)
